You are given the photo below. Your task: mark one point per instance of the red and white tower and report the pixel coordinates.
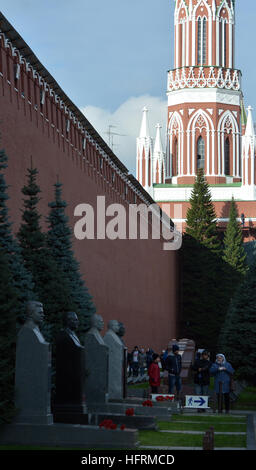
(207, 125)
(204, 94)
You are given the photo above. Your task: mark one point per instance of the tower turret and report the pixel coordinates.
(248, 152)
(158, 158)
(144, 154)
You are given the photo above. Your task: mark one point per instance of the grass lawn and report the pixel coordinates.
(154, 438)
(212, 419)
(218, 427)
(143, 385)
(246, 400)
(220, 424)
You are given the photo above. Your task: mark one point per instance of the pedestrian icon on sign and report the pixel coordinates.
(195, 401)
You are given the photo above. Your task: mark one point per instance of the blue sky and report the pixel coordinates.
(111, 57)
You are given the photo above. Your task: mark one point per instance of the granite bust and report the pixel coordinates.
(116, 360)
(96, 362)
(70, 368)
(33, 369)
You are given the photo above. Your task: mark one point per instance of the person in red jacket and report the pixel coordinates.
(154, 373)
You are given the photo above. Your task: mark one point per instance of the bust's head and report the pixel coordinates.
(35, 312)
(121, 331)
(113, 325)
(97, 322)
(71, 321)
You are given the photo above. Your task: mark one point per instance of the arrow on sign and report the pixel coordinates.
(201, 401)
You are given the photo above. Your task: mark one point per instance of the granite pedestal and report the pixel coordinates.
(66, 435)
(33, 377)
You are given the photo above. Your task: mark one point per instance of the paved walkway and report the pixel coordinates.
(251, 431)
(189, 448)
(203, 432)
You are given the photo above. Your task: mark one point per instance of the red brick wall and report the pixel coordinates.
(132, 281)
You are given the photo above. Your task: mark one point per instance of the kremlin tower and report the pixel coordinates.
(207, 123)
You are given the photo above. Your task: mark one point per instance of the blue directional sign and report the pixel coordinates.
(196, 401)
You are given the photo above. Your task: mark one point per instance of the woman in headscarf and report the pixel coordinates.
(222, 372)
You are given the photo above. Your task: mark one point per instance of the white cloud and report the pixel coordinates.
(127, 121)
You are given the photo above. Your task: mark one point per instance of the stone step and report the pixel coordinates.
(68, 435)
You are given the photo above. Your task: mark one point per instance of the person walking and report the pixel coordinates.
(222, 372)
(173, 365)
(154, 373)
(142, 361)
(202, 374)
(135, 361)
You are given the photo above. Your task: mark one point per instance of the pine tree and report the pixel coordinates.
(234, 253)
(59, 240)
(8, 310)
(238, 338)
(22, 279)
(32, 239)
(201, 216)
(51, 285)
(202, 280)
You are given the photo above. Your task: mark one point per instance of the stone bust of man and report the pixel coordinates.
(97, 325)
(71, 324)
(114, 326)
(35, 314)
(97, 322)
(121, 331)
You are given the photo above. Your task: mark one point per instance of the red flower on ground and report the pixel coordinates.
(108, 424)
(147, 403)
(122, 427)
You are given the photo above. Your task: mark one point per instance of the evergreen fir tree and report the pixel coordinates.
(238, 338)
(234, 253)
(22, 279)
(202, 280)
(201, 217)
(8, 309)
(51, 285)
(59, 240)
(32, 239)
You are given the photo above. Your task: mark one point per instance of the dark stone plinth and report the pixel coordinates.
(70, 374)
(71, 418)
(133, 422)
(120, 408)
(68, 435)
(97, 366)
(33, 377)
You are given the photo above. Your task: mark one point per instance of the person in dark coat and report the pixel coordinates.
(202, 367)
(154, 373)
(173, 365)
(202, 374)
(222, 372)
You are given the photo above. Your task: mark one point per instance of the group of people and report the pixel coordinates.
(203, 368)
(221, 370)
(139, 361)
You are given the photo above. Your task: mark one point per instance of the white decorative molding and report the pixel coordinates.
(204, 95)
(210, 110)
(204, 77)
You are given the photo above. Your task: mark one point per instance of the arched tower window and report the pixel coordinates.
(175, 157)
(227, 156)
(223, 43)
(200, 153)
(201, 41)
